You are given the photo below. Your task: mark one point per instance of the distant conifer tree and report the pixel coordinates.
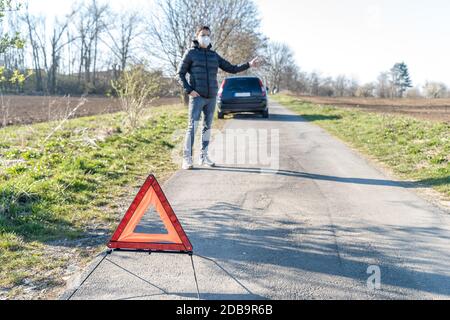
(400, 80)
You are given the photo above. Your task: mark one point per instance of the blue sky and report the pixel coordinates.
(356, 38)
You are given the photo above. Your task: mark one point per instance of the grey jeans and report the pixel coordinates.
(197, 106)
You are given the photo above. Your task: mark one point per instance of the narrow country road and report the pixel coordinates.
(311, 230)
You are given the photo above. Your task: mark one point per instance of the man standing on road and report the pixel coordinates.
(202, 64)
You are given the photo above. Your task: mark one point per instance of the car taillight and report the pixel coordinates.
(221, 89)
(263, 88)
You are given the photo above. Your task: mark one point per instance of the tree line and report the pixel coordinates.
(89, 48)
(283, 73)
(84, 51)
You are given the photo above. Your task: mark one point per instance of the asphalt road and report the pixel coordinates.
(310, 230)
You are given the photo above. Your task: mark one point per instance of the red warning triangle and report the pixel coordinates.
(150, 195)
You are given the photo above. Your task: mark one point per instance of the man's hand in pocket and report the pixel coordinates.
(194, 94)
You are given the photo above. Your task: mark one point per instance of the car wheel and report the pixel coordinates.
(221, 115)
(265, 114)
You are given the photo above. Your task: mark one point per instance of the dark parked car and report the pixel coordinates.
(242, 94)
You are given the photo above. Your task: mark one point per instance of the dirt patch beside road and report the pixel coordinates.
(33, 109)
(429, 109)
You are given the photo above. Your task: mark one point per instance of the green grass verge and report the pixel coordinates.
(67, 187)
(416, 150)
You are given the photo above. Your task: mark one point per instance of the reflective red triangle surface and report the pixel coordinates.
(150, 195)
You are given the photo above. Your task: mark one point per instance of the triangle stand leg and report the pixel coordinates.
(106, 254)
(195, 275)
(191, 255)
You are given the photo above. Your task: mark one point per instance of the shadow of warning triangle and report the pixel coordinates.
(150, 224)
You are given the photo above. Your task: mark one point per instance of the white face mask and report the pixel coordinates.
(204, 41)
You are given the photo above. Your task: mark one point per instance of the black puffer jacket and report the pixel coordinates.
(202, 66)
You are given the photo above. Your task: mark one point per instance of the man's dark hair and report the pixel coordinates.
(201, 28)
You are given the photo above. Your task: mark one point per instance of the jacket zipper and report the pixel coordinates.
(207, 72)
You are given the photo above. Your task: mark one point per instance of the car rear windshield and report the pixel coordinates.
(242, 84)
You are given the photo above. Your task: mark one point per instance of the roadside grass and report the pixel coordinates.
(67, 187)
(416, 150)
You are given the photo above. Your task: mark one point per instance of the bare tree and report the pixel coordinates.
(314, 84)
(57, 43)
(294, 80)
(366, 91)
(91, 24)
(120, 38)
(170, 29)
(98, 12)
(352, 87)
(172, 23)
(414, 93)
(326, 87)
(235, 26)
(340, 85)
(435, 90)
(32, 27)
(279, 58)
(383, 87)
(46, 52)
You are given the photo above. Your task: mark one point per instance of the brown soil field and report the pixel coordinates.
(429, 109)
(16, 109)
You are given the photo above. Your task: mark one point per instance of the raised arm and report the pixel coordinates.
(231, 68)
(183, 69)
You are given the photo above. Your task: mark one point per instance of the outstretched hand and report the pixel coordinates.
(255, 62)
